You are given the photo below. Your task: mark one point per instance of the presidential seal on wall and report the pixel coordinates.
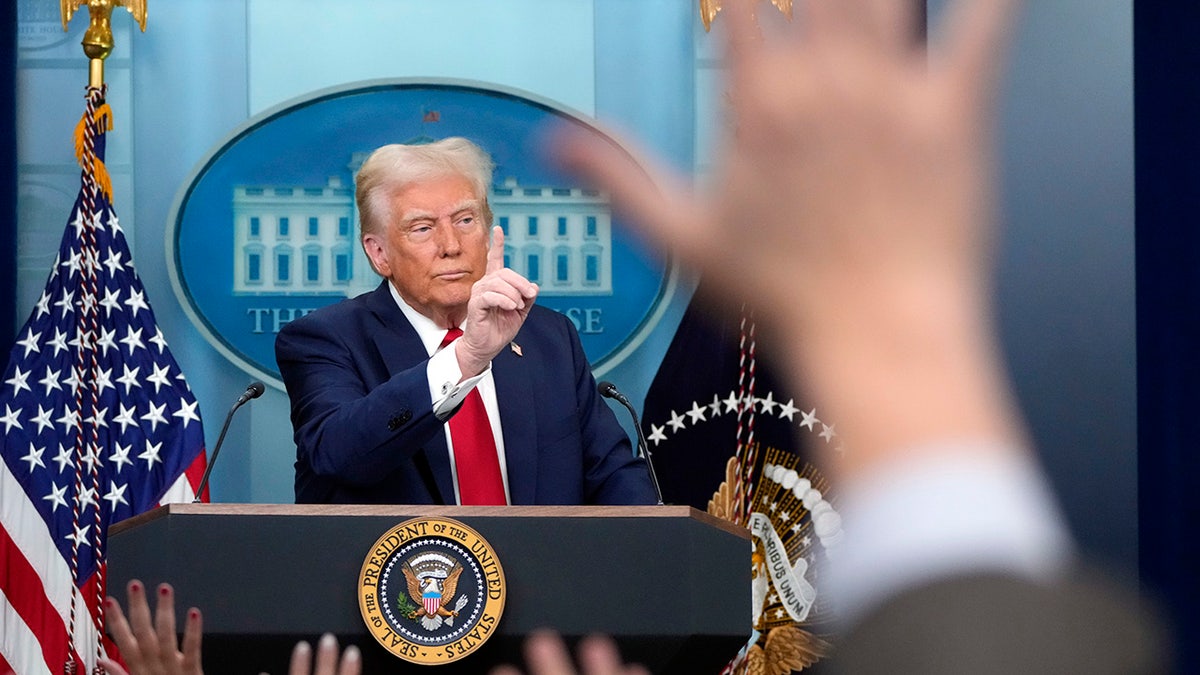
(431, 590)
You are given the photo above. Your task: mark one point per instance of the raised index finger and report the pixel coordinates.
(495, 258)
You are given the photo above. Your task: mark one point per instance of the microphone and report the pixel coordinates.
(609, 390)
(255, 390)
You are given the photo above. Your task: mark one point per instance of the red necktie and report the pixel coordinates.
(478, 465)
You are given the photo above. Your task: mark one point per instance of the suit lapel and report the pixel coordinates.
(398, 345)
(514, 396)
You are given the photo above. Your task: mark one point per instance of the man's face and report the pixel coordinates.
(434, 248)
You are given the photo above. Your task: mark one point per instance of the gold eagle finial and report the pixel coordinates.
(98, 38)
(709, 9)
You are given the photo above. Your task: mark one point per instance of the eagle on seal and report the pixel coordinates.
(431, 596)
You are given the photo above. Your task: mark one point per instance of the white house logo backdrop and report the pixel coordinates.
(266, 230)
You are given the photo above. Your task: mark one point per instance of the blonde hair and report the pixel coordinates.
(394, 167)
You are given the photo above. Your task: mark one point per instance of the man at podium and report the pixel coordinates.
(446, 384)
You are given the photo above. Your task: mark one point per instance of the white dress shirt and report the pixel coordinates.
(446, 389)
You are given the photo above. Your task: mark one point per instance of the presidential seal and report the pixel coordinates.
(431, 590)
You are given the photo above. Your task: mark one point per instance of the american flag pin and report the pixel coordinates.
(516, 348)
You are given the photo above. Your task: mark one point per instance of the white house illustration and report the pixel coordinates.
(298, 240)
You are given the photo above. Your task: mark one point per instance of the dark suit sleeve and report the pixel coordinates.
(612, 474)
(350, 424)
(993, 623)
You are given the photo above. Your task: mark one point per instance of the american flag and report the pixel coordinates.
(97, 424)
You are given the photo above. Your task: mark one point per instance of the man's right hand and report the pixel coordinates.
(499, 303)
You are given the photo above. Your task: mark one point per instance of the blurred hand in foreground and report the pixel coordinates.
(545, 654)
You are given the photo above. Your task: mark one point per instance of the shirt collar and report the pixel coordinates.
(428, 330)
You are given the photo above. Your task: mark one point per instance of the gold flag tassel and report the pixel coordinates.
(83, 154)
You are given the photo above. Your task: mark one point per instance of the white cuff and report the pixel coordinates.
(445, 388)
(943, 515)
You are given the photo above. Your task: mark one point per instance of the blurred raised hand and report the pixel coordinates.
(851, 206)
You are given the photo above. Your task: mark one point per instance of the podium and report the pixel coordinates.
(669, 583)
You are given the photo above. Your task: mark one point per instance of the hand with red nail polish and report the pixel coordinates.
(148, 643)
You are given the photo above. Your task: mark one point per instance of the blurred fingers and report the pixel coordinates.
(351, 662)
(301, 663)
(327, 655)
(545, 654)
(657, 203)
(976, 35)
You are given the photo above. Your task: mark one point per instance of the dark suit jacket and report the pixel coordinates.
(366, 433)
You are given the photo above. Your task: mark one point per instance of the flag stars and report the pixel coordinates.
(133, 339)
(731, 403)
(43, 304)
(676, 422)
(136, 301)
(714, 408)
(87, 302)
(30, 343)
(18, 381)
(75, 381)
(113, 262)
(827, 432)
(120, 457)
(34, 457)
(99, 419)
(808, 419)
(66, 303)
(69, 419)
(87, 497)
(129, 378)
(160, 377)
(656, 434)
(111, 301)
(151, 454)
(79, 536)
(57, 497)
(59, 341)
(42, 420)
(63, 458)
(50, 381)
(72, 264)
(11, 418)
(788, 410)
(159, 339)
(91, 262)
(116, 495)
(768, 404)
(91, 458)
(104, 381)
(114, 225)
(187, 412)
(106, 341)
(696, 413)
(82, 341)
(155, 416)
(78, 224)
